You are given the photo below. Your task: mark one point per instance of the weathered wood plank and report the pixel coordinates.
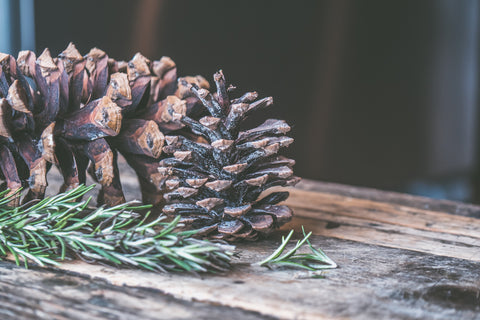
(395, 226)
(55, 294)
(411, 258)
(400, 215)
(453, 207)
(372, 282)
(391, 236)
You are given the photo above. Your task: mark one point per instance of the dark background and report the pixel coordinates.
(379, 93)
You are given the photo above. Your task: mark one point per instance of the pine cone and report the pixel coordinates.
(217, 171)
(74, 110)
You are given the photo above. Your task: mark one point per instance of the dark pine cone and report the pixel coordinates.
(217, 172)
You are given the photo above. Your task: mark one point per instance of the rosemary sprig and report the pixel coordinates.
(59, 228)
(314, 261)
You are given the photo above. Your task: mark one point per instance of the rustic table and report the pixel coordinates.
(399, 257)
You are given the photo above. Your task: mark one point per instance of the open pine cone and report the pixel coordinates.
(217, 172)
(74, 110)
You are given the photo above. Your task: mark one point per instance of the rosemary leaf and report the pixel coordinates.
(314, 261)
(59, 228)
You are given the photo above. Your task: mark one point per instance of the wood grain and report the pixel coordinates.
(53, 294)
(441, 205)
(391, 225)
(372, 282)
(399, 257)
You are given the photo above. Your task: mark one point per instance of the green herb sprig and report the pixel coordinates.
(58, 228)
(314, 261)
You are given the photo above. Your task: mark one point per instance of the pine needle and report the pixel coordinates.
(59, 228)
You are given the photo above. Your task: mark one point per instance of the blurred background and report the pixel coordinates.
(379, 93)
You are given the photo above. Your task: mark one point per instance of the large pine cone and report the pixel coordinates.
(74, 110)
(217, 172)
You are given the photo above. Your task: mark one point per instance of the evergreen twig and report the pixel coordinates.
(314, 261)
(58, 228)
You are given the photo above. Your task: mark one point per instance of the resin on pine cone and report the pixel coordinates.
(218, 171)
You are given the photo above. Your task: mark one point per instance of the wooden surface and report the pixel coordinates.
(386, 224)
(399, 257)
